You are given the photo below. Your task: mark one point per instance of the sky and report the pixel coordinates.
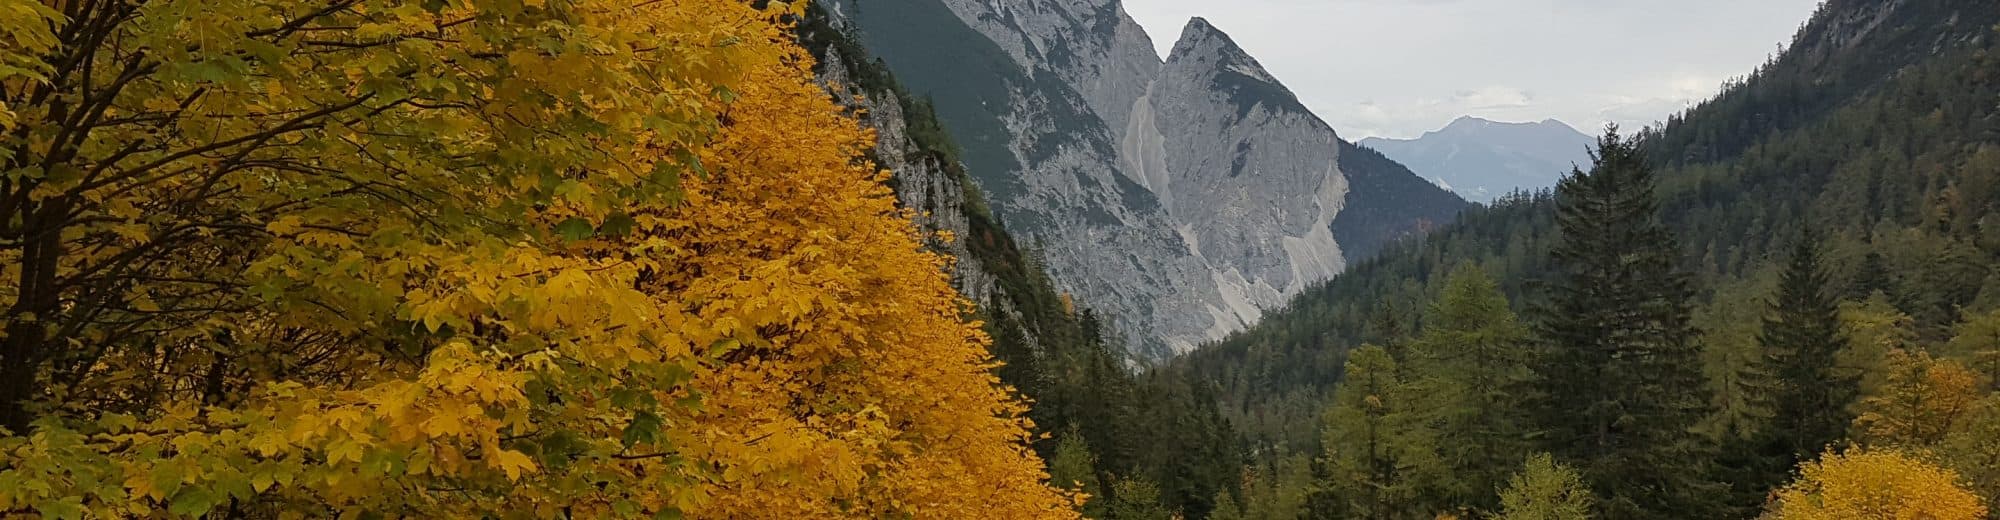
(1398, 68)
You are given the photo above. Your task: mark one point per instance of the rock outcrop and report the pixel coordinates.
(1181, 196)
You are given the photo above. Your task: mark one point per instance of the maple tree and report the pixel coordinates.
(1875, 484)
(541, 258)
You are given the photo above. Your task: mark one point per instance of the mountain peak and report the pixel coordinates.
(1198, 27)
(1482, 159)
(1203, 50)
(1468, 122)
(1201, 40)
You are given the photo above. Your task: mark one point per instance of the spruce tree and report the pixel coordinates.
(1872, 276)
(1622, 380)
(1801, 341)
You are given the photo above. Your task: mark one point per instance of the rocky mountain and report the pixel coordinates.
(1182, 195)
(1052, 350)
(1483, 160)
(929, 179)
(1876, 127)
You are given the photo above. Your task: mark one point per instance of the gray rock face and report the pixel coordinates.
(1181, 197)
(1092, 45)
(1251, 179)
(1483, 160)
(922, 184)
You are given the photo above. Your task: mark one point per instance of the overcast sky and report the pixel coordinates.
(1397, 68)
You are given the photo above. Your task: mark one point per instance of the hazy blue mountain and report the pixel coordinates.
(1482, 160)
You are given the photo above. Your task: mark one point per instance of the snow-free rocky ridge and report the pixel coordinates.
(1180, 196)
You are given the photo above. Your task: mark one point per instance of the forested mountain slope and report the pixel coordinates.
(1877, 127)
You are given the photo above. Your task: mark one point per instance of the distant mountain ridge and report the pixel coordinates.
(1483, 160)
(1182, 195)
(1899, 164)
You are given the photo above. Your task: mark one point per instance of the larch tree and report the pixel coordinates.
(1971, 450)
(1921, 401)
(1874, 328)
(558, 258)
(1377, 458)
(1976, 342)
(1136, 499)
(1471, 369)
(1073, 468)
(1545, 490)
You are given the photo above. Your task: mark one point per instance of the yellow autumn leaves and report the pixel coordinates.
(1876, 484)
(562, 258)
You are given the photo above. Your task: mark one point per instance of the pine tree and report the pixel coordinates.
(1622, 381)
(1802, 340)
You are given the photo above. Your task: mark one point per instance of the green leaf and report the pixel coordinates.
(667, 175)
(692, 161)
(645, 427)
(192, 501)
(575, 229)
(617, 226)
(166, 478)
(65, 508)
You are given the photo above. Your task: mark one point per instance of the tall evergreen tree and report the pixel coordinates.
(1872, 276)
(1471, 370)
(1623, 378)
(1802, 340)
(1189, 449)
(1378, 461)
(1074, 468)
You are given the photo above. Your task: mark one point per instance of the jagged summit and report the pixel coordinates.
(1205, 50)
(1179, 196)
